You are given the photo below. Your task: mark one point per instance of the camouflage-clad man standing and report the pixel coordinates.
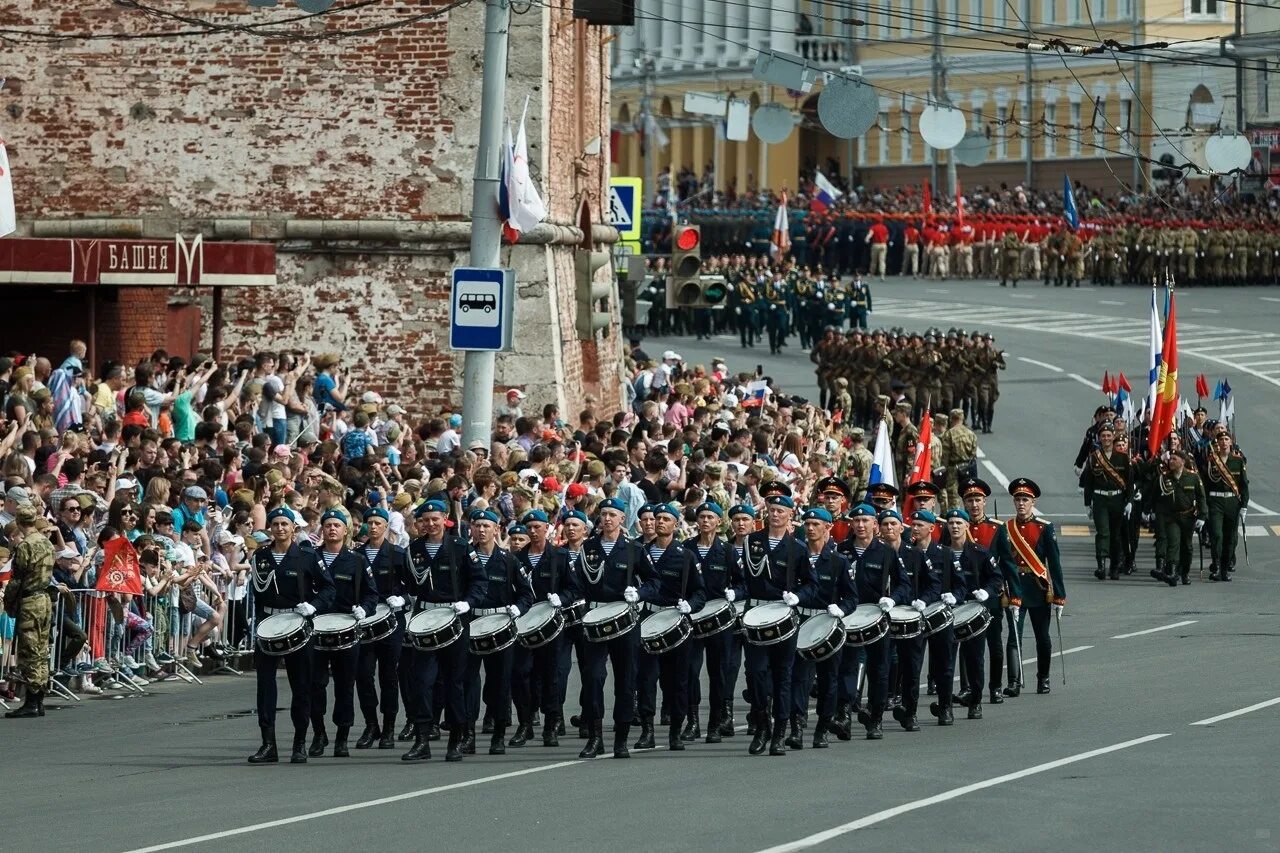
(959, 452)
(27, 601)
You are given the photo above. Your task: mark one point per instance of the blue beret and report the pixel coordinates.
(957, 513)
(925, 516)
(668, 509)
(711, 507)
(280, 512)
(890, 513)
(518, 529)
(817, 513)
(742, 509)
(375, 497)
(430, 506)
(486, 515)
(781, 500)
(330, 514)
(647, 508)
(377, 512)
(612, 503)
(863, 510)
(579, 515)
(534, 515)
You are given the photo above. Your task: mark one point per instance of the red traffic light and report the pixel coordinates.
(687, 239)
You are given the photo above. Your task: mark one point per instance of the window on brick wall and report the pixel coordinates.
(1204, 9)
(1074, 146)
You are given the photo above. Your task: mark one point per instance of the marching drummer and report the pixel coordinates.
(990, 533)
(441, 574)
(645, 523)
(719, 566)
(774, 567)
(676, 582)
(355, 592)
(925, 588)
(984, 582)
(286, 579)
(951, 591)
(575, 528)
(742, 523)
(547, 666)
(1035, 552)
(390, 564)
(506, 591)
(611, 569)
(831, 589)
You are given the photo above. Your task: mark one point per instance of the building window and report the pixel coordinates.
(1074, 13)
(1047, 14)
(1263, 87)
(1099, 8)
(978, 10)
(1074, 135)
(1204, 9)
(905, 20)
(1004, 129)
(882, 154)
(1050, 139)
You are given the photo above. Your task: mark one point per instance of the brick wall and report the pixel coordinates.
(132, 325)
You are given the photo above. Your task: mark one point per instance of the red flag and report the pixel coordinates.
(1166, 403)
(120, 571)
(922, 462)
(1123, 384)
(1202, 386)
(927, 199)
(1106, 383)
(959, 206)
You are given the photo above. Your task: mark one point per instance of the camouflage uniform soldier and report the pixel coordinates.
(1215, 252)
(1010, 258)
(1188, 248)
(27, 601)
(904, 447)
(1241, 243)
(858, 475)
(959, 452)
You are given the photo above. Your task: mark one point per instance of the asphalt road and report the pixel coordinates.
(1133, 752)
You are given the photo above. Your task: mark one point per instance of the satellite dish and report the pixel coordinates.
(772, 123)
(942, 127)
(1225, 153)
(973, 150)
(848, 108)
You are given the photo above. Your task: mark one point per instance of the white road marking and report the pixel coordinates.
(955, 793)
(1206, 310)
(1155, 630)
(1258, 707)
(1269, 299)
(1110, 302)
(997, 473)
(1077, 377)
(1260, 509)
(1256, 530)
(1021, 296)
(937, 290)
(381, 801)
(1041, 364)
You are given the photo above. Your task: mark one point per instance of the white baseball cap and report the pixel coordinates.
(672, 355)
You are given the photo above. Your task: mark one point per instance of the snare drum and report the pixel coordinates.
(542, 624)
(335, 632)
(573, 613)
(379, 626)
(767, 624)
(664, 630)
(865, 625)
(283, 634)
(717, 615)
(820, 637)
(492, 634)
(970, 619)
(608, 621)
(937, 616)
(905, 623)
(433, 629)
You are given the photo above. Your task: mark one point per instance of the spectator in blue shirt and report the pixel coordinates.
(327, 389)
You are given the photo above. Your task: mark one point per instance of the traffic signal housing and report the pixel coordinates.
(589, 292)
(633, 284)
(687, 286)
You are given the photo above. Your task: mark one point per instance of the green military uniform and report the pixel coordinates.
(1180, 502)
(1227, 484)
(26, 599)
(1107, 481)
(1010, 258)
(959, 451)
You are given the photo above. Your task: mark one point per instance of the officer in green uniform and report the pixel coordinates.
(26, 600)
(1107, 483)
(1227, 483)
(1180, 513)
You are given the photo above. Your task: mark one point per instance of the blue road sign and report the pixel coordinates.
(481, 309)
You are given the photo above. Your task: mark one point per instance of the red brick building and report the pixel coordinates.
(347, 157)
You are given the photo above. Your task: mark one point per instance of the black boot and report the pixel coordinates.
(468, 745)
(407, 733)
(594, 747)
(1213, 571)
(646, 735)
(549, 737)
(524, 731)
(727, 726)
(759, 736)
(300, 748)
(1100, 573)
(421, 749)
(975, 711)
(388, 739)
(340, 742)
(996, 697)
(369, 736)
(1042, 684)
(266, 753)
(692, 730)
(945, 717)
(675, 736)
(713, 726)
(776, 745)
(498, 743)
(319, 741)
(820, 733)
(796, 740)
(620, 733)
(1013, 690)
(1113, 571)
(453, 752)
(1186, 578)
(30, 707)
(486, 726)
(435, 732)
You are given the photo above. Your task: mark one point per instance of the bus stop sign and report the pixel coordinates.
(482, 309)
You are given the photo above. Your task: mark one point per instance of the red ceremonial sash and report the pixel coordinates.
(1026, 553)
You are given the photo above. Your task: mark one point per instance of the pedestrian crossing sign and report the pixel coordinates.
(624, 206)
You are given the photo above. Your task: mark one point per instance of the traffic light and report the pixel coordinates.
(590, 292)
(687, 287)
(633, 284)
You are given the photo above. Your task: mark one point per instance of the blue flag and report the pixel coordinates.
(1226, 389)
(1069, 211)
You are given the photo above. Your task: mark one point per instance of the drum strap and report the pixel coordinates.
(946, 573)
(506, 589)
(302, 582)
(355, 584)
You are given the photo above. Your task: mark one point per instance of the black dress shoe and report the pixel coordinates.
(524, 731)
(996, 698)
(1100, 573)
(692, 730)
(576, 722)
(498, 741)
(946, 718)
(975, 712)
(406, 733)
(759, 741)
(777, 746)
(910, 724)
(549, 737)
(595, 742)
(1042, 685)
(318, 742)
(899, 713)
(1013, 690)
(369, 736)
(935, 708)
(874, 732)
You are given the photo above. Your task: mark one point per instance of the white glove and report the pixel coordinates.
(1057, 609)
(730, 595)
(461, 607)
(1015, 611)
(886, 604)
(358, 612)
(1199, 524)
(918, 605)
(630, 595)
(834, 610)
(948, 599)
(1244, 511)
(790, 599)
(1079, 471)
(555, 600)
(305, 609)
(683, 607)
(1128, 508)
(395, 602)
(981, 594)
(513, 610)
(1079, 490)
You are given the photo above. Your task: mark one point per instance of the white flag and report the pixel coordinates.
(527, 209)
(8, 219)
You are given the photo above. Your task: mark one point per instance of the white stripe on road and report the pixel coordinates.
(1111, 302)
(1241, 712)
(381, 801)
(955, 793)
(997, 473)
(1041, 364)
(1269, 299)
(1155, 630)
(1077, 377)
(1260, 509)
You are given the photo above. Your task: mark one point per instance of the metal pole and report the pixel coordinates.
(1135, 111)
(486, 230)
(1030, 96)
(1239, 31)
(851, 59)
(936, 85)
